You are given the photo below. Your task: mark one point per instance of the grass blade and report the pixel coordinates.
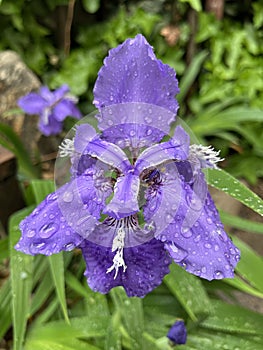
(21, 267)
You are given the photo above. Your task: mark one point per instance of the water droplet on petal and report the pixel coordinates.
(68, 196)
(48, 230)
(186, 232)
(30, 233)
(69, 246)
(209, 221)
(149, 132)
(218, 275)
(208, 245)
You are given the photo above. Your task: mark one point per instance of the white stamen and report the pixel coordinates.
(118, 261)
(206, 154)
(46, 115)
(66, 148)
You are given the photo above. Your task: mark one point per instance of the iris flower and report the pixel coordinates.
(52, 108)
(137, 198)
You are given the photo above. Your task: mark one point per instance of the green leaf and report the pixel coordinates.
(250, 266)
(5, 307)
(242, 224)
(223, 181)
(10, 140)
(234, 318)
(132, 315)
(21, 266)
(206, 340)
(57, 335)
(191, 74)
(189, 291)
(41, 188)
(56, 263)
(195, 4)
(4, 252)
(91, 6)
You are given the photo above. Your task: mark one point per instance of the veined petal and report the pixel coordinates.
(129, 74)
(32, 103)
(147, 264)
(174, 149)
(208, 251)
(134, 125)
(124, 202)
(193, 233)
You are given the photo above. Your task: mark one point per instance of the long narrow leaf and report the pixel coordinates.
(189, 291)
(21, 266)
(225, 182)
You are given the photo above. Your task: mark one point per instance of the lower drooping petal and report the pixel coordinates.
(64, 218)
(193, 234)
(147, 264)
(48, 125)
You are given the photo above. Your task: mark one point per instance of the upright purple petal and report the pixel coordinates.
(147, 264)
(135, 124)
(129, 74)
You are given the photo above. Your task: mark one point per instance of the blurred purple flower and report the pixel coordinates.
(52, 108)
(178, 333)
(134, 202)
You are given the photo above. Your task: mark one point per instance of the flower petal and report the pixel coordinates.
(174, 149)
(52, 127)
(134, 125)
(208, 251)
(64, 109)
(124, 202)
(32, 103)
(147, 264)
(129, 74)
(46, 231)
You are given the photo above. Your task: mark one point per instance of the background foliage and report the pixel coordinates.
(45, 302)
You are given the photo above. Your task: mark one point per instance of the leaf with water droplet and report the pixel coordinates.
(225, 182)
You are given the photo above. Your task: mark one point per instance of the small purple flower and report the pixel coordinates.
(177, 333)
(52, 107)
(134, 202)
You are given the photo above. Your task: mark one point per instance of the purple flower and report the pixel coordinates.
(52, 107)
(177, 333)
(135, 201)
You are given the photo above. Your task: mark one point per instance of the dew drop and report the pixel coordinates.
(209, 221)
(197, 238)
(68, 196)
(208, 245)
(48, 230)
(69, 246)
(149, 132)
(31, 233)
(218, 274)
(186, 232)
